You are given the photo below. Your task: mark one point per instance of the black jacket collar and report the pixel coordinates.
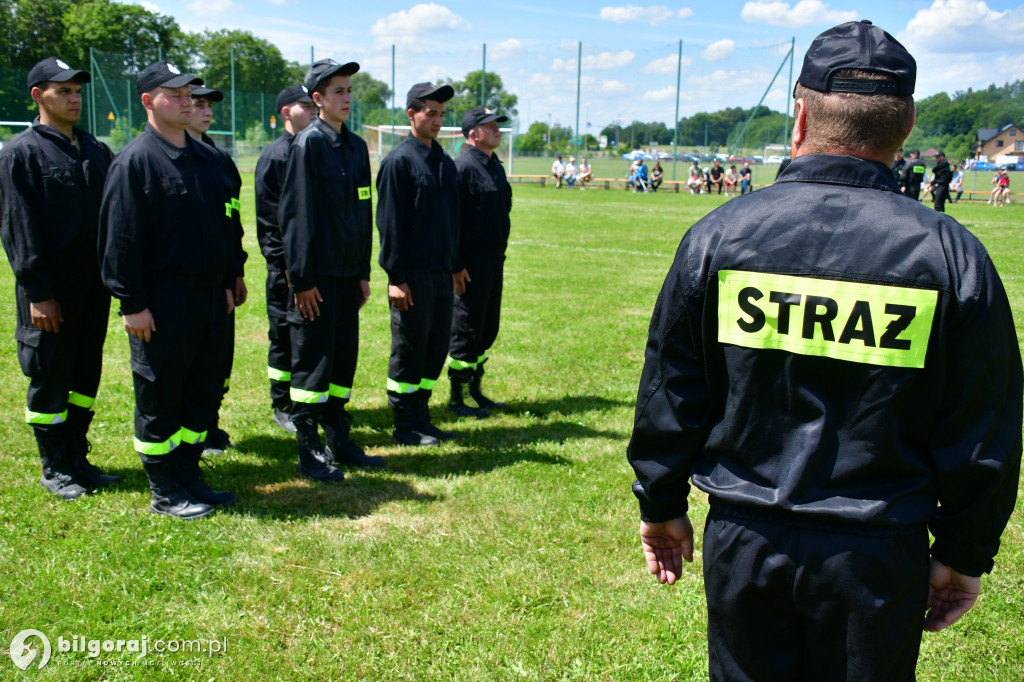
(836, 169)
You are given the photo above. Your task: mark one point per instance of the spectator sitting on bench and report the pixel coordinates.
(657, 176)
(570, 172)
(585, 173)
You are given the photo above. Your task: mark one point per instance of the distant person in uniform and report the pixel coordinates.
(913, 175)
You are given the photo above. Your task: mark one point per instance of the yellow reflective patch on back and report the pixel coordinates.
(870, 323)
(364, 192)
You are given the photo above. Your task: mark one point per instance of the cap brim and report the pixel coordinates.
(441, 94)
(180, 81)
(65, 76)
(343, 69)
(208, 93)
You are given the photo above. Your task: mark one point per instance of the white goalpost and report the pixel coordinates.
(381, 139)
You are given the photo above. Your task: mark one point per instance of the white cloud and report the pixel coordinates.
(666, 93)
(597, 62)
(719, 50)
(654, 14)
(507, 48)
(404, 26)
(150, 7)
(279, 3)
(803, 13)
(540, 80)
(954, 26)
(667, 65)
(612, 87)
(212, 8)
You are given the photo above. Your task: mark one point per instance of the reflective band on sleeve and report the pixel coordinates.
(364, 192)
(190, 436)
(427, 384)
(460, 364)
(44, 418)
(227, 209)
(401, 387)
(227, 382)
(869, 323)
(162, 448)
(918, 169)
(80, 400)
(278, 374)
(309, 397)
(481, 359)
(236, 204)
(342, 392)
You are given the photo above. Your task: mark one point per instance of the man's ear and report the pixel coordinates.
(799, 127)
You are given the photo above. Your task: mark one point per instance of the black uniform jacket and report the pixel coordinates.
(941, 174)
(269, 180)
(418, 210)
(485, 202)
(325, 210)
(913, 173)
(827, 349)
(49, 207)
(234, 180)
(164, 222)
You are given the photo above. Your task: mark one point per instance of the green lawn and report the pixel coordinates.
(509, 554)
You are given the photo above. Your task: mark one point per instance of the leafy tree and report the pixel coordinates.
(371, 94)
(259, 66)
(535, 139)
(139, 36)
(467, 94)
(30, 31)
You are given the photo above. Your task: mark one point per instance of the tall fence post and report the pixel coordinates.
(579, 77)
(234, 136)
(675, 135)
(483, 80)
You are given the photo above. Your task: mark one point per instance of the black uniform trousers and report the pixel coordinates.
(325, 350)
(476, 314)
(178, 374)
(64, 368)
(419, 336)
(808, 602)
(279, 357)
(941, 196)
(914, 191)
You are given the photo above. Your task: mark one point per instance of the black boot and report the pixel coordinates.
(169, 497)
(187, 457)
(477, 393)
(59, 475)
(340, 448)
(406, 431)
(459, 379)
(284, 420)
(79, 447)
(313, 461)
(421, 418)
(217, 441)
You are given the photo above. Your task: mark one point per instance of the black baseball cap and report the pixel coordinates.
(290, 95)
(429, 91)
(207, 93)
(478, 116)
(57, 71)
(939, 153)
(863, 46)
(323, 69)
(163, 75)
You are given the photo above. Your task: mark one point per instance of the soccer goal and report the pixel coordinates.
(382, 139)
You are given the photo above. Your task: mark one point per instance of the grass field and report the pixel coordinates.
(508, 554)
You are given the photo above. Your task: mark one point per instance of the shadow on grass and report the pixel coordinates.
(273, 488)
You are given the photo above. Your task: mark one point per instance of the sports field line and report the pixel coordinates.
(590, 249)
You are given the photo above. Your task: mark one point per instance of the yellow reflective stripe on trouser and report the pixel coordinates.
(299, 395)
(427, 384)
(45, 418)
(460, 364)
(80, 400)
(343, 392)
(190, 436)
(873, 324)
(162, 448)
(401, 386)
(278, 374)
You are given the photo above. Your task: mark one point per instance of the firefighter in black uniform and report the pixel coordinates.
(898, 165)
(326, 223)
(913, 173)
(169, 254)
(485, 199)
(217, 439)
(942, 175)
(837, 368)
(296, 109)
(51, 181)
(418, 220)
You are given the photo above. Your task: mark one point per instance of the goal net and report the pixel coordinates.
(383, 138)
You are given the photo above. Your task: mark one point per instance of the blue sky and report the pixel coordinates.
(630, 51)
